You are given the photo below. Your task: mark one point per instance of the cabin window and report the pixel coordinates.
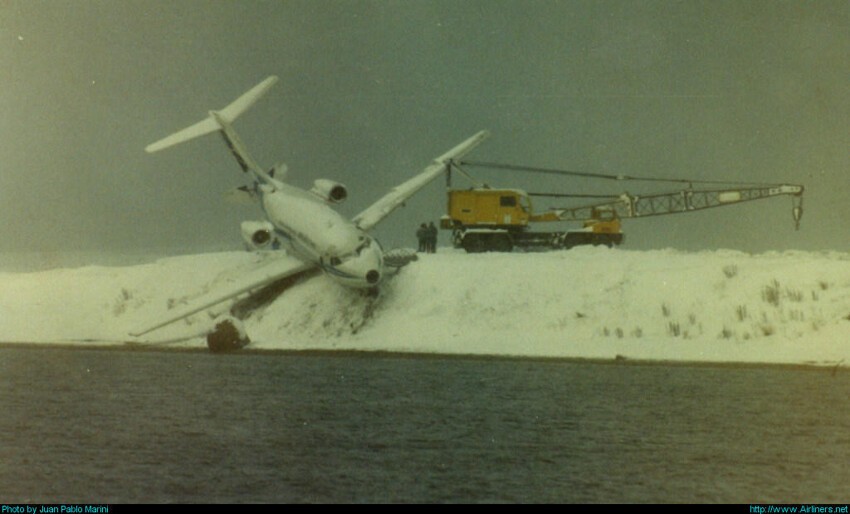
(507, 201)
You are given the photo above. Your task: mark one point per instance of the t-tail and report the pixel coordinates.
(220, 121)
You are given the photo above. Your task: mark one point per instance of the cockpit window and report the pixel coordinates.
(365, 244)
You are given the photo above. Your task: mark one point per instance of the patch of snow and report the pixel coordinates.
(718, 306)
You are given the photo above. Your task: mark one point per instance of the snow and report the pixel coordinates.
(711, 306)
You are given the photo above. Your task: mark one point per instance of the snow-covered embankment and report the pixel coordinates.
(789, 307)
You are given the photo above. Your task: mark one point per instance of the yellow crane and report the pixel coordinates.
(486, 219)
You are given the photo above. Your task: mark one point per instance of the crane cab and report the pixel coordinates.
(504, 208)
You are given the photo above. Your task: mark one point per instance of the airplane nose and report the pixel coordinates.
(373, 276)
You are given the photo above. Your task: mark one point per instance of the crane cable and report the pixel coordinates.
(516, 167)
(567, 195)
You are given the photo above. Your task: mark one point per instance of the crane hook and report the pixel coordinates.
(797, 212)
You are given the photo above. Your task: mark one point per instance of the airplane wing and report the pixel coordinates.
(280, 267)
(399, 194)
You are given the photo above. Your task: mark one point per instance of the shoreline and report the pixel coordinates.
(619, 360)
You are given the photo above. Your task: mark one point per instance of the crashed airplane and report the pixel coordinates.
(300, 222)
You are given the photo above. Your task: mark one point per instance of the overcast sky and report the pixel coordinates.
(371, 91)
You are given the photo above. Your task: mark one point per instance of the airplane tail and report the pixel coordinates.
(221, 121)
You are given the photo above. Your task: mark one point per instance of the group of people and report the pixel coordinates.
(427, 236)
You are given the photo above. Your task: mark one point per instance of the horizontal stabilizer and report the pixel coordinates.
(213, 122)
(198, 129)
(241, 104)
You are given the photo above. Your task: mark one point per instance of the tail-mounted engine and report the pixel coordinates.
(330, 191)
(258, 235)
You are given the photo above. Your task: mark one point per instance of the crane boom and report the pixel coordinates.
(686, 200)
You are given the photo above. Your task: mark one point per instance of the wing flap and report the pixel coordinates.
(265, 273)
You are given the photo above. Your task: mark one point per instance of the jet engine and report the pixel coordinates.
(257, 235)
(329, 190)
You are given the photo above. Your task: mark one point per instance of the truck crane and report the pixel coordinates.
(484, 219)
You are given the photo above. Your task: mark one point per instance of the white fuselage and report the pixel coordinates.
(318, 234)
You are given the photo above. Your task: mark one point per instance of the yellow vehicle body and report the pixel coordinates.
(499, 220)
(488, 207)
(512, 209)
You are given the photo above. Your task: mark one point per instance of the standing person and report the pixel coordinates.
(432, 238)
(422, 236)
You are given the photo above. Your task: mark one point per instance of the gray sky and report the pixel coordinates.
(371, 91)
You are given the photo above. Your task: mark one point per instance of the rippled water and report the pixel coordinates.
(105, 426)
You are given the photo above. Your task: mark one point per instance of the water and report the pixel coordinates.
(105, 426)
